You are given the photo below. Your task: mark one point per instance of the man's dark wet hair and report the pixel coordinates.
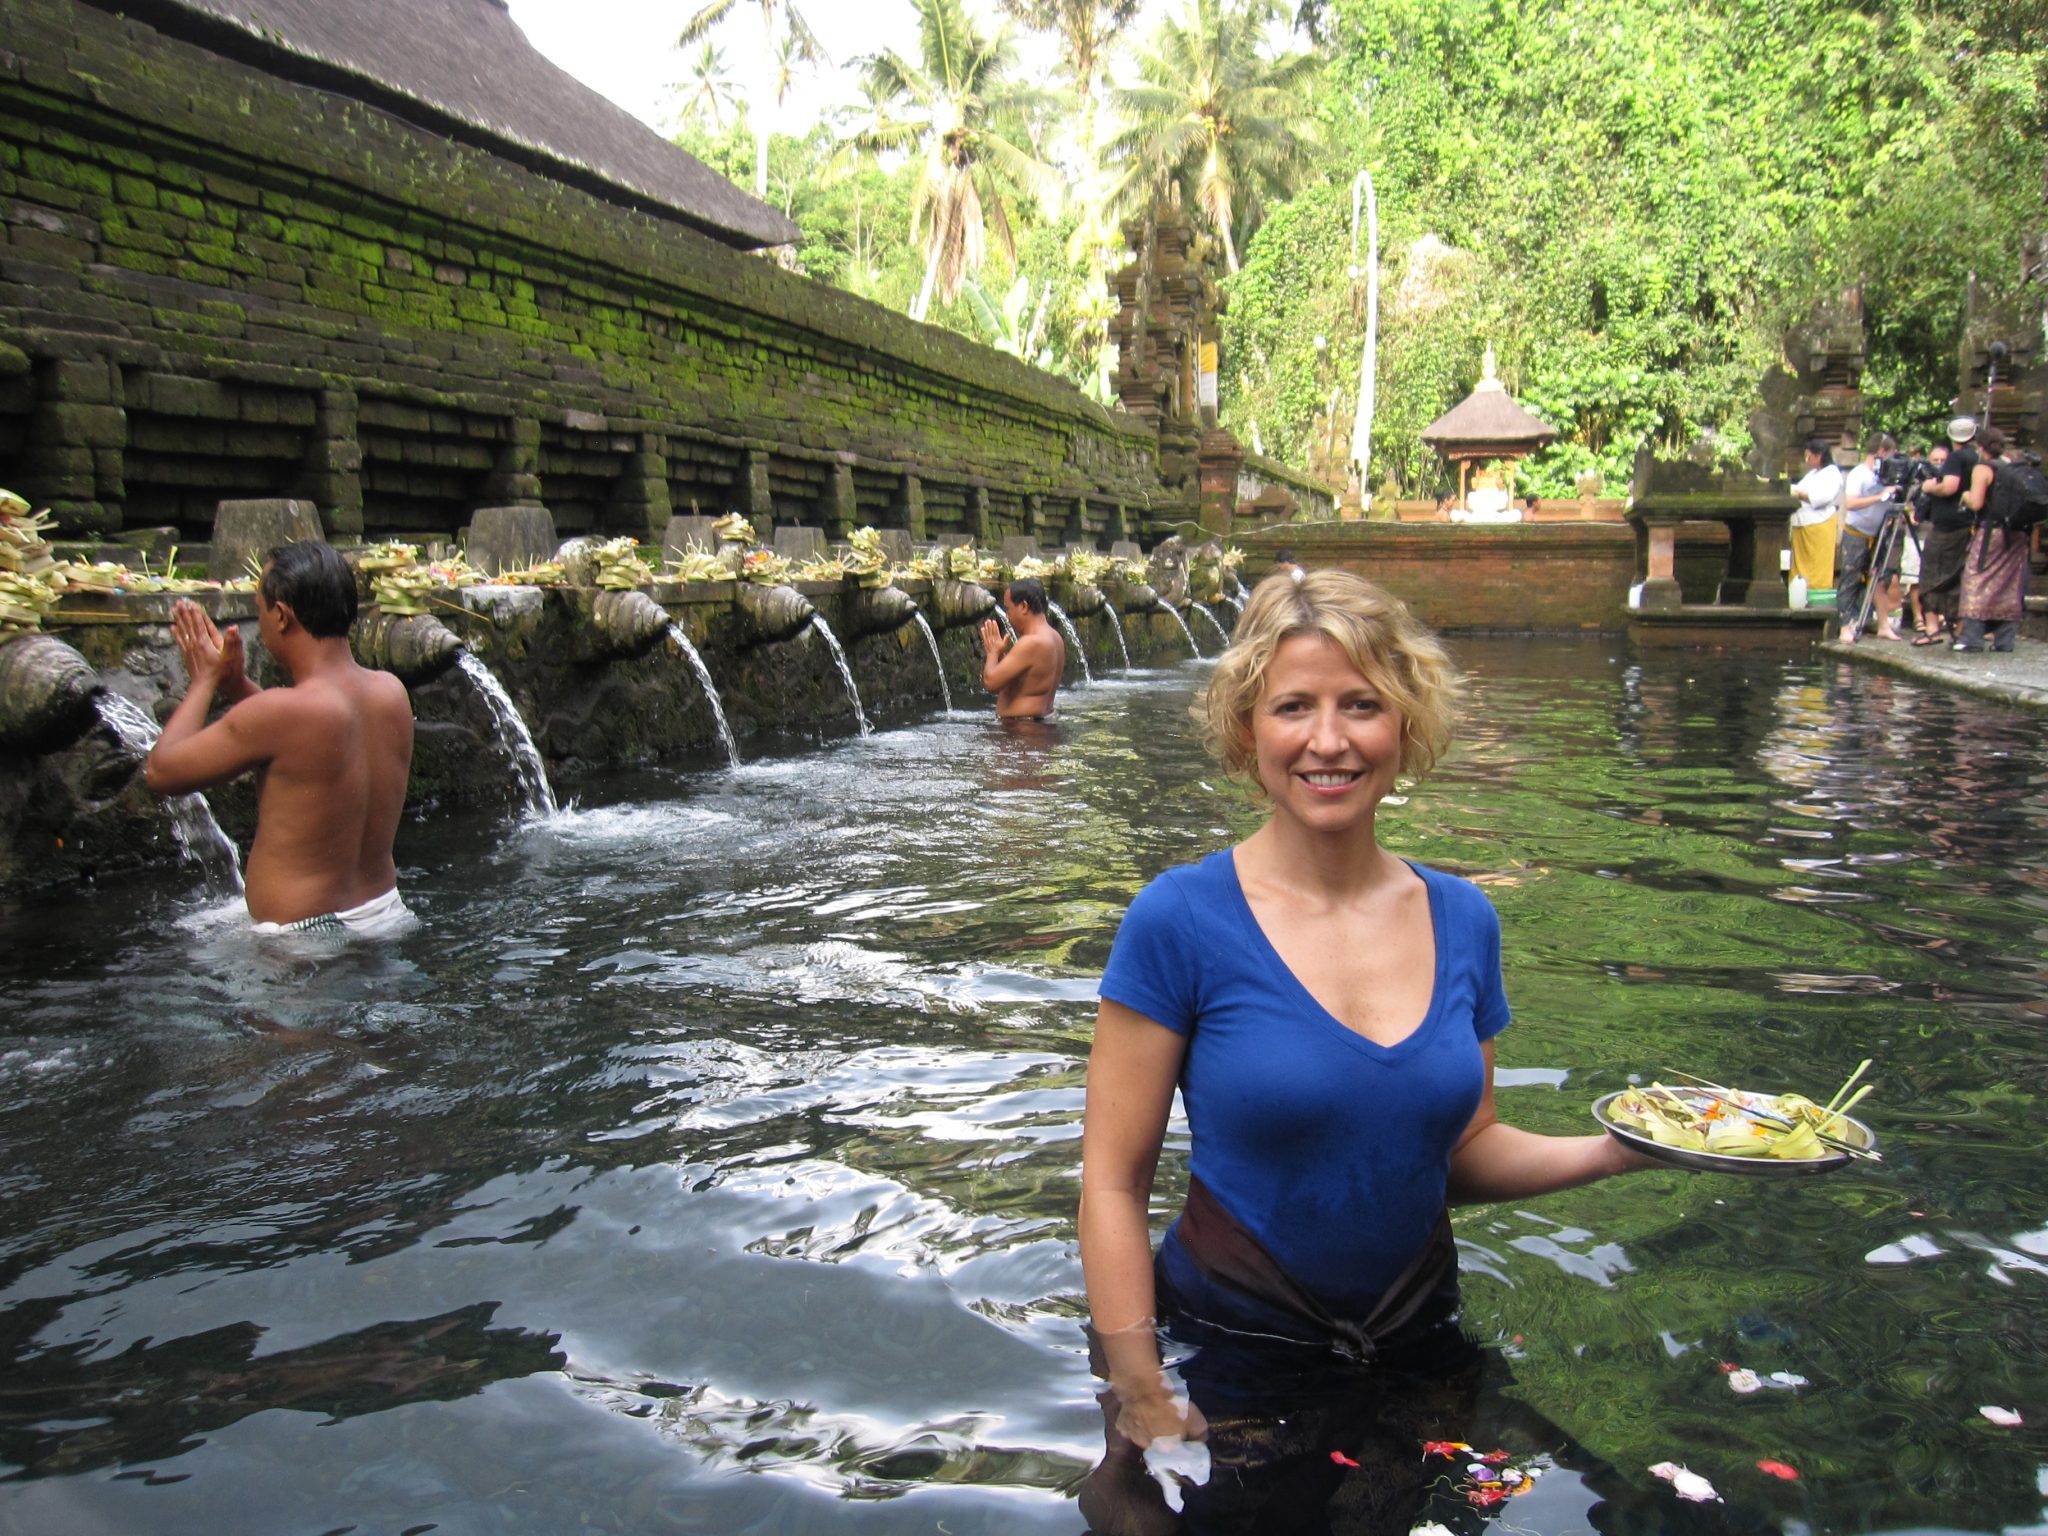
(1029, 591)
(315, 582)
(1820, 449)
(1284, 557)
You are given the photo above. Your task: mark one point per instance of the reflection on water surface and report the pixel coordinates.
(708, 1162)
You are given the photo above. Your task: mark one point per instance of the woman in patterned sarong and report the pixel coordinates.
(1995, 576)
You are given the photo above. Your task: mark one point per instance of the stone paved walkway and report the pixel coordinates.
(2018, 678)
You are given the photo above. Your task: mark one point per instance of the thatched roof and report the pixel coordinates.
(1488, 418)
(463, 68)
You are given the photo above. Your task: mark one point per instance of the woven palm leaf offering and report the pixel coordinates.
(620, 565)
(697, 564)
(764, 568)
(733, 528)
(1705, 1126)
(865, 560)
(543, 573)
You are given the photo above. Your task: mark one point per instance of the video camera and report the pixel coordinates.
(1902, 475)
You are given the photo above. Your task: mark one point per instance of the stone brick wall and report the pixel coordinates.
(218, 283)
(78, 809)
(1501, 577)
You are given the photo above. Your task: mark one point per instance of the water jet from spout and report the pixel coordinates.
(197, 834)
(845, 672)
(932, 640)
(681, 642)
(538, 795)
(1118, 625)
(1073, 637)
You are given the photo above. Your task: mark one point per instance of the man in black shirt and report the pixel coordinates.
(1945, 534)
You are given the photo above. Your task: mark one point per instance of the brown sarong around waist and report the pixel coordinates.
(1230, 1255)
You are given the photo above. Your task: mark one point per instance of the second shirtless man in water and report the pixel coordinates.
(1024, 673)
(331, 752)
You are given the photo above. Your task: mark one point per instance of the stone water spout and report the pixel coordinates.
(1137, 597)
(46, 693)
(627, 622)
(1080, 598)
(772, 614)
(955, 603)
(877, 610)
(1169, 567)
(416, 648)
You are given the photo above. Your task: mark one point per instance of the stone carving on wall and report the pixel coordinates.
(2001, 374)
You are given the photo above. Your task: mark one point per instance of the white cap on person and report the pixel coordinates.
(1962, 429)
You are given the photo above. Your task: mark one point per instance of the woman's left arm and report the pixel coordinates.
(1978, 491)
(1493, 1161)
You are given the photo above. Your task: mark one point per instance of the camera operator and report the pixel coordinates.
(1946, 545)
(1923, 464)
(1871, 515)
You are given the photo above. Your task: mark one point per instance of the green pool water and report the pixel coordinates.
(708, 1161)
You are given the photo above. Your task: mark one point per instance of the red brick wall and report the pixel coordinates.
(1502, 576)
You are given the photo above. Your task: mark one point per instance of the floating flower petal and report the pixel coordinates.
(1690, 1485)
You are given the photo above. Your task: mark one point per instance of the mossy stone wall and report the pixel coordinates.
(219, 283)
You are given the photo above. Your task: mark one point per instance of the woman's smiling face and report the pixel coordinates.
(1328, 747)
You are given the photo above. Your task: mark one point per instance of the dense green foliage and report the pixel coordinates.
(1631, 200)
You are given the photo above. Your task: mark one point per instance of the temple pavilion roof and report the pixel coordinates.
(1487, 422)
(464, 69)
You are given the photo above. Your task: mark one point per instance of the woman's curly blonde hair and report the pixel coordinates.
(1382, 639)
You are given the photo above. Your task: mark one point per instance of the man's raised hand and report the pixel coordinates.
(211, 657)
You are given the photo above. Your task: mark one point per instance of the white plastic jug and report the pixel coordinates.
(1795, 595)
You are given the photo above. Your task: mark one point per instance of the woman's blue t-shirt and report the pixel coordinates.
(1332, 1150)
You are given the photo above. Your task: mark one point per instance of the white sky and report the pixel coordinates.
(625, 49)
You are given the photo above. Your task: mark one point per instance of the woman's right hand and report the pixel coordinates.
(1147, 1413)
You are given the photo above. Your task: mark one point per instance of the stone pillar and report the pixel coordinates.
(73, 461)
(760, 502)
(1755, 546)
(642, 498)
(910, 507)
(797, 545)
(1660, 565)
(510, 538)
(332, 475)
(1034, 519)
(514, 480)
(1217, 463)
(246, 531)
(984, 521)
(842, 507)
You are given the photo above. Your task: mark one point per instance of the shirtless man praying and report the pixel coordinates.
(1023, 674)
(331, 752)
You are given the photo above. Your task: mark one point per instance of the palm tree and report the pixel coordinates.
(779, 19)
(711, 90)
(1086, 30)
(952, 105)
(1216, 116)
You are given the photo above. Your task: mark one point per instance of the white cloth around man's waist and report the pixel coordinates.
(381, 917)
